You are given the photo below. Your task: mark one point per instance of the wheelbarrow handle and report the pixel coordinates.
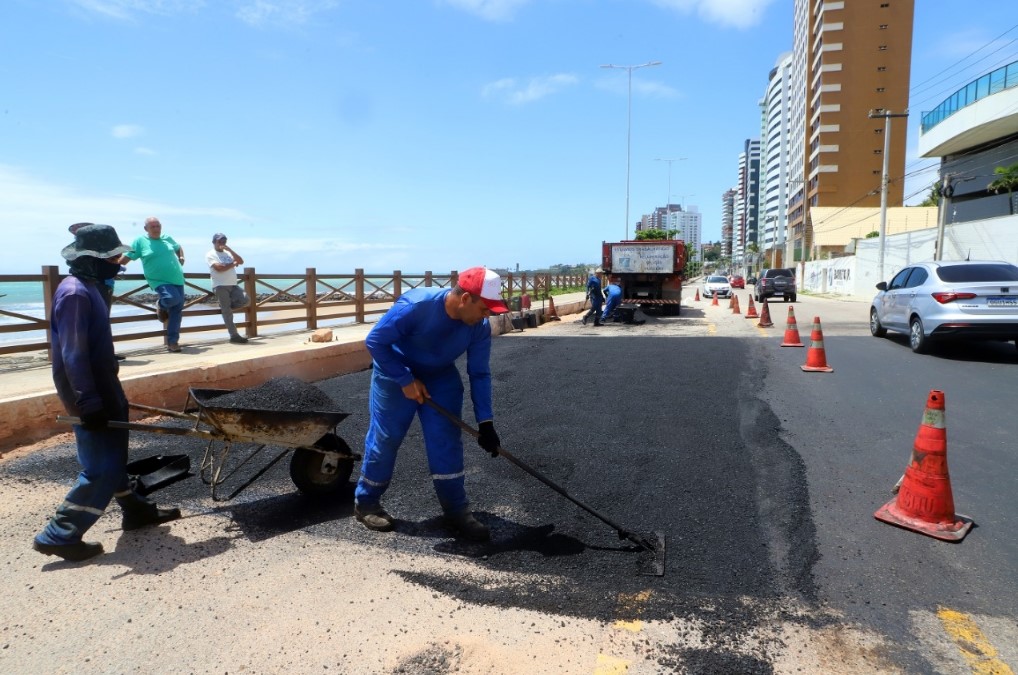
(622, 532)
(150, 428)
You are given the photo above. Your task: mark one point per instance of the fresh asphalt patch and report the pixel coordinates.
(658, 433)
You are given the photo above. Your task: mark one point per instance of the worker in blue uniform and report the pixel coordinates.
(414, 347)
(85, 374)
(596, 297)
(613, 295)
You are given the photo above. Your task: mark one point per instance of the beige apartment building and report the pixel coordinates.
(850, 58)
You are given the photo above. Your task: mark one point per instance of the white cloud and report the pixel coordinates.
(261, 12)
(735, 13)
(519, 92)
(125, 9)
(127, 131)
(489, 10)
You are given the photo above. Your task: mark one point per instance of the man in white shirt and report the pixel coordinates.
(223, 262)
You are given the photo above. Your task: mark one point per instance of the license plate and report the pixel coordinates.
(1002, 301)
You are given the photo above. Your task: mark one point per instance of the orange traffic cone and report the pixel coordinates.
(751, 312)
(925, 502)
(735, 304)
(714, 302)
(791, 331)
(765, 316)
(731, 300)
(697, 298)
(816, 357)
(551, 314)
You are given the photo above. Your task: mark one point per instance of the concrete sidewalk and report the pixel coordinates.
(155, 377)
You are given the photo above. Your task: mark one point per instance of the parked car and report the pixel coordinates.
(775, 282)
(737, 281)
(751, 281)
(716, 284)
(948, 299)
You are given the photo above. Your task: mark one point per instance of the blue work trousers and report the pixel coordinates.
(171, 298)
(103, 457)
(595, 308)
(609, 308)
(391, 415)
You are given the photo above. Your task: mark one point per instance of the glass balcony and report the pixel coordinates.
(993, 82)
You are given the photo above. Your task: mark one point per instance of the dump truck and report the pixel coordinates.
(649, 271)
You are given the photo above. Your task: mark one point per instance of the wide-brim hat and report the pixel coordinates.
(100, 241)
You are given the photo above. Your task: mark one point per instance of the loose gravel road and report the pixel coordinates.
(655, 426)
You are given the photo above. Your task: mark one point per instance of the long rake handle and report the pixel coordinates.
(623, 533)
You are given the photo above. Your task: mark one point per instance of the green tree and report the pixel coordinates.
(1007, 179)
(655, 233)
(932, 199)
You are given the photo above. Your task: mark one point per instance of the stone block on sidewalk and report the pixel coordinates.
(322, 335)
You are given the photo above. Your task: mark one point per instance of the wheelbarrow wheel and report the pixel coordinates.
(314, 474)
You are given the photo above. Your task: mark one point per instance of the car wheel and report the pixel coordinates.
(876, 330)
(793, 297)
(916, 336)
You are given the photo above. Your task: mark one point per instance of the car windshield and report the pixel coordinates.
(978, 272)
(717, 280)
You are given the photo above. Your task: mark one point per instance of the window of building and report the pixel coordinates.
(878, 151)
(875, 172)
(880, 90)
(883, 26)
(882, 48)
(881, 69)
(884, 5)
(878, 131)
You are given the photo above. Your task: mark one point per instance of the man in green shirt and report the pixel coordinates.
(162, 262)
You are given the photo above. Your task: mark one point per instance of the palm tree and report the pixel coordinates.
(1007, 179)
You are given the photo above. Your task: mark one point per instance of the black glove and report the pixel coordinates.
(487, 438)
(94, 421)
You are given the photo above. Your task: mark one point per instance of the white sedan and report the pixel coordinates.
(716, 285)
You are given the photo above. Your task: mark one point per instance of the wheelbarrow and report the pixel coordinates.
(321, 464)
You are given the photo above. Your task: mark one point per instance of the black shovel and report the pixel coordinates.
(655, 544)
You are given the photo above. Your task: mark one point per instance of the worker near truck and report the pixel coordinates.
(85, 376)
(596, 297)
(613, 295)
(414, 348)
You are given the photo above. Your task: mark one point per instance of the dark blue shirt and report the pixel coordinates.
(594, 289)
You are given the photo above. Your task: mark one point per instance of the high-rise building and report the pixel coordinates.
(775, 156)
(727, 222)
(747, 202)
(688, 224)
(849, 59)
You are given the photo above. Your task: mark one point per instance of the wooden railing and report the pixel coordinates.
(337, 298)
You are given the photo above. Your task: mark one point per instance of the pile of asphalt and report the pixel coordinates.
(278, 394)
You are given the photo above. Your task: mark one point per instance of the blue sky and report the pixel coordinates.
(399, 134)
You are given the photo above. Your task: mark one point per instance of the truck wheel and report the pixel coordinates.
(313, 475)
(793, 297)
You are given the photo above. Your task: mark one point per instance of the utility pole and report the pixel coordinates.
(946, 192)
(887, 115)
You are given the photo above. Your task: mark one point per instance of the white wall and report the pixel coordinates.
(857, 276)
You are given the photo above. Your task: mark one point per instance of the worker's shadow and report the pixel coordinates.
(506, 537)
(279, 514)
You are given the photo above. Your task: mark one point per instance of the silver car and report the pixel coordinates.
(716, 285)
(949, 299)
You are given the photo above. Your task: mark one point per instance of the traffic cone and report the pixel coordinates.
(816, 357)
(765, 316)
(925, 502)
(551, 314)
(731, 300)
(792, 331)
(714, 302)
(751, 312)
(735, 304)
(697, 298)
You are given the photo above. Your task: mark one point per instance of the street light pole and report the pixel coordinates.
(629, 123)
(887, 115)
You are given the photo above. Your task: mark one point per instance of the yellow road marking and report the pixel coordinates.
(977, 650)
(712, 329)
(609, 665)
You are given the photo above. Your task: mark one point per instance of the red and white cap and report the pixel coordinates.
(486, 285)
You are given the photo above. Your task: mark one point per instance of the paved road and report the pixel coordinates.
(763, 480)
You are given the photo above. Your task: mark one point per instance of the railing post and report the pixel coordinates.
(427, 279)
(50, 281)
(251, 311)
(454, 278)
(397, 284)
(358, 285)
(311, 296)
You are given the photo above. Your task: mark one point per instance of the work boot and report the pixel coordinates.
(584, 319)
(468, 526)
(137, 518)
(374, 518)
(75, 552)
(238, 339)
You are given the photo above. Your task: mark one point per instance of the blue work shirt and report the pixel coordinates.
(84, 367)
(594, 289)
(613, 291)
(416, 338)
